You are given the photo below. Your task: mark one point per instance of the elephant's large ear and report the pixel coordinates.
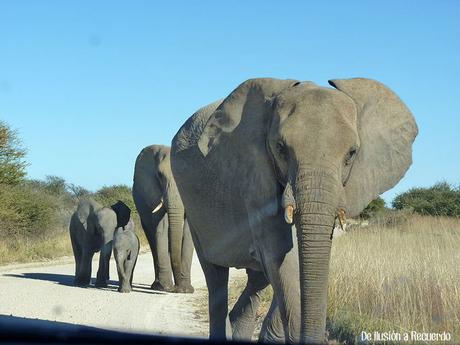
(386, 129)
(228, 114)
(123, 213)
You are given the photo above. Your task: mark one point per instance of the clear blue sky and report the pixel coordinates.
(88, 84)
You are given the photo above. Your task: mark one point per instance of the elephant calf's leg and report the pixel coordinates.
(243, 316)
(129, 265)
(123, 279)
(104, 259)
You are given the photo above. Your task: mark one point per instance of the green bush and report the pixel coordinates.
(374, 208)
(442, 199)
(26, 212)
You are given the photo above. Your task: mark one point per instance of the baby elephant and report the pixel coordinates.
(126, 249)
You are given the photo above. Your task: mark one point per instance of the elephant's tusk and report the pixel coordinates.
(342, 219)
(158, 206)
(289, 214)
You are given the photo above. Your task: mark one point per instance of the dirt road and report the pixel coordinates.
(45, 292)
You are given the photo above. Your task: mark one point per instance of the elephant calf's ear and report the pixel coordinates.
(123, 213)
(251, 95)
(386, 129)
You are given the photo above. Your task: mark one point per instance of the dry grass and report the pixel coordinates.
(400, 277)
(21, 249)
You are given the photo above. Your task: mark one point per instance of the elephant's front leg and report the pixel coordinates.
(280, 261)
(185, 284)
(272, 328)
(243, 316)
(217, 283)
(163, 271)
(104, 260)
(84, 270)
(78, 254)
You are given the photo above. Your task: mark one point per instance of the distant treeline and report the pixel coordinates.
(32, 208)
(442, 199)
(36, 208)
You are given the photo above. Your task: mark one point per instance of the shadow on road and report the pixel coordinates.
(67, 280)
(61, 279)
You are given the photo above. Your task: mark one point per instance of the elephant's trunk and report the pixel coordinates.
(316, 199)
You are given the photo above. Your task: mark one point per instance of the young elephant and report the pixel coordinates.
(91, 230)
(126, 249)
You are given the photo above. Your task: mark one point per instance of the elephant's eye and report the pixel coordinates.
(281, 147)
(351, 155)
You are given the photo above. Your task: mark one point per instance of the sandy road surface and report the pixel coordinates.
(45, 292)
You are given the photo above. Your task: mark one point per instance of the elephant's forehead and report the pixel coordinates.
(105, 213)
(319, 109)
(316, 102)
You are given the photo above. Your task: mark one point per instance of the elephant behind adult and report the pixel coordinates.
(91, 230)
(277, 152)
(162, 216)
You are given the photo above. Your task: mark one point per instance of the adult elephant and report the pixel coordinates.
(91, 230)
(163, 219)
(276, 152)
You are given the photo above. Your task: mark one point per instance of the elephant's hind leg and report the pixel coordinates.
(135, 254)
(127, 264)
(120, 258)
(243, 316)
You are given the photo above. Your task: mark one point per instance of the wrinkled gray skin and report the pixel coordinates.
(125, 250)
(162, 215)
(91, 230)
(274, 145)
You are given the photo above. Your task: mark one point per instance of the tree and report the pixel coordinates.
(442, 199)
(12, 153)
(78, 191)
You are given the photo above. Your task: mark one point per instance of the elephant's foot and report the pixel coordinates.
(184, 288)
(81, 282)
(124, 289)
(158, 286)
(101, 283)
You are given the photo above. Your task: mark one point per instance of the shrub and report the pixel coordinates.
(439, 200)
(26, 212)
